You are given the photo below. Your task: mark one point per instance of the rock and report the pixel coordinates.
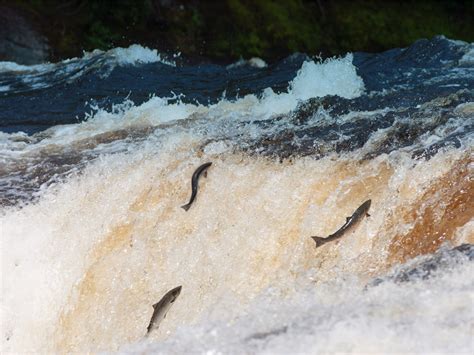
(424, 267)
(19, 41)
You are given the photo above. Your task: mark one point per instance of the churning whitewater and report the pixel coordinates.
(97, 155)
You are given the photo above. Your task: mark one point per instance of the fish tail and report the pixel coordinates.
(319, 241)
(186, 206)
(148, 332)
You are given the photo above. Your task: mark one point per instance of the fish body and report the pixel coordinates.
(194, 184)
(161, 308)
(351, 223)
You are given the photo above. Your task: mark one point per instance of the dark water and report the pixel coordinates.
(65, 93)
(412, 97)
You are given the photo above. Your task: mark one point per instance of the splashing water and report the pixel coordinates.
(92, 233)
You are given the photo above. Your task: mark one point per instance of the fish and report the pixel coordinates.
(194, 184)
(161, 308)
(263, 335)
(351, 222)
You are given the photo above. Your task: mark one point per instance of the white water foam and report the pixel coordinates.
(434, 316)
(106, 244)
(331, 77)
(82, 266)
(136, 54)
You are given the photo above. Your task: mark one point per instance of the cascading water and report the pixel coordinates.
(96, 159)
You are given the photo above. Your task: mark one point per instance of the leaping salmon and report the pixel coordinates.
(194, 184)
(351, 222)
(161, 308)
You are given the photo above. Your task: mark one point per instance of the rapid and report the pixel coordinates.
(96, 158)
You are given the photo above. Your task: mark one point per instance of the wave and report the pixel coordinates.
(16, 78)
(110, 131)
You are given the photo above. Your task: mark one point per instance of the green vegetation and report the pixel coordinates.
(375, 26)
(229, 29)
(265, 28)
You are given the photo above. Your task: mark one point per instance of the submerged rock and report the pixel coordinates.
(426, 267)
(317, 126)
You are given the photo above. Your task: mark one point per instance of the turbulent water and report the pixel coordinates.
(96, 159)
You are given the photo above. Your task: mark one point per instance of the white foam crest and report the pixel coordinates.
(136, 54)
(133, 55)
(155, 111)
(332, 77)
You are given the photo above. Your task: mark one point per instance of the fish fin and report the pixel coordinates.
(319, 241)
(186, 206)
(367, 215)
(205, 174)
(348, 219)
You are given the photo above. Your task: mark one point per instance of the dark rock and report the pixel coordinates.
(426, 267)
(405, 125)
(19, 41)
